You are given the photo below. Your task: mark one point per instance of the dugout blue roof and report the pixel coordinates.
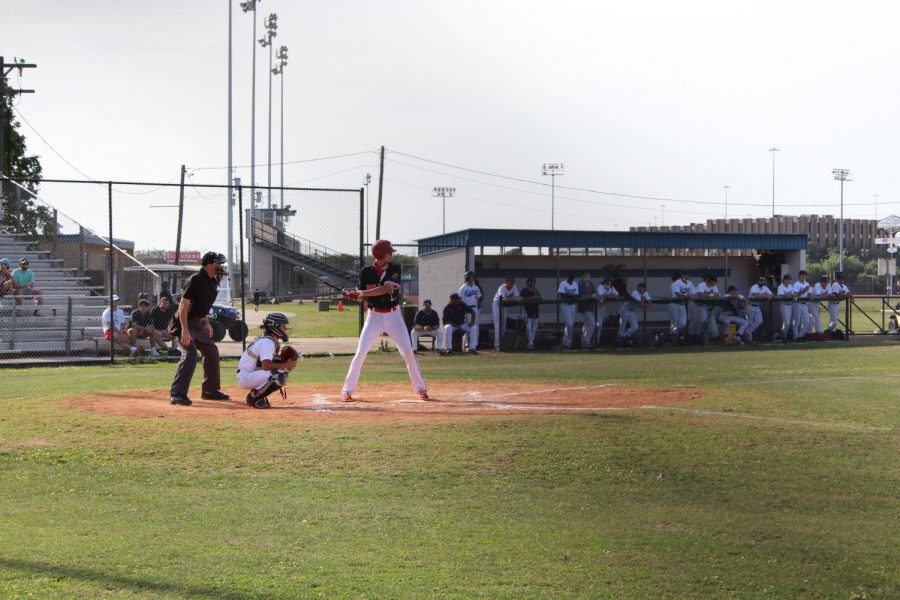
(530, 238)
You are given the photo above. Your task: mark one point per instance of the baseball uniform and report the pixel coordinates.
(502, 294)
(532, 314)
(628, 323)
(429, 319)
(587, 290)
(758, 293)
(834, 306)
(786, 309)
(568, 293)
(250, 374)
(815, 318)
(456, 317)
(471, 295)
(800, 313)
(734, 313)
(678, 310)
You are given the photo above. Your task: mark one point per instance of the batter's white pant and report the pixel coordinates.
(437, 334)
(588, 329)
(815, 320)
(568, 313)
(628, 324)
(741, 322)
(253, 380)
(834, 315)
(392, 324)
(756, 319)
(678, 317)
(787, 312)
(801, 320)
(531, 328)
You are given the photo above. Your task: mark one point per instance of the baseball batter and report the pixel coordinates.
(471, 295)
(508, 291)
(260, 369)
(759, 293)
(379, 286)
(568, 294)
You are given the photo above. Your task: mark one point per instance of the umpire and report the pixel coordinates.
(191, 328)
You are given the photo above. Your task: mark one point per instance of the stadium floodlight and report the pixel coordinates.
(553, 169)
(841, 175)
(443, 192)
(282, 56)
(773, 150)
(250, 6)
(271, 24)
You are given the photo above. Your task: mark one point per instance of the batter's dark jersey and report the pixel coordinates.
(201, 290)
(369, 276)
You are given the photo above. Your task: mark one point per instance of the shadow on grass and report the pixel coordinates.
(108, 580)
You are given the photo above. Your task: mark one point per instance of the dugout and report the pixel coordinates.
(629, 256)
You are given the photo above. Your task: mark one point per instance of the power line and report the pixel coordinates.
(289, 162)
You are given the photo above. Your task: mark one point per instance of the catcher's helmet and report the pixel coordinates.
(469, 275)
(276, 324)
(381, 248)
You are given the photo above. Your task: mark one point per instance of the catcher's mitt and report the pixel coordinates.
(287, 355)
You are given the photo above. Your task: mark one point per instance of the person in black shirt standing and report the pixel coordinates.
(192, 331)
(379, 287)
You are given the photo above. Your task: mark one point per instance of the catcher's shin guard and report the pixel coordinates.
(259, 398)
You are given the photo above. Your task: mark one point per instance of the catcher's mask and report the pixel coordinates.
(277, 325)
(217, 259)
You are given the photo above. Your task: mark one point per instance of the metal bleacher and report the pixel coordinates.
(68, 322)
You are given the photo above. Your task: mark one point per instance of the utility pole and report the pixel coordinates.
(368, 218)
(250, 6)
(841, 175)
(5, 69)
(380, 190)
(266, 42)
(773, 150)
(231, 268)
(726, 188)
(180, 216)
(282, 56)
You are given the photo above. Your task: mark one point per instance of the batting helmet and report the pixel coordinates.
(276, 324)
(381, 248)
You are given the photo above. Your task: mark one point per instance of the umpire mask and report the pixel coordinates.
(219, 260)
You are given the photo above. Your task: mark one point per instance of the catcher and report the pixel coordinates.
(264, 366)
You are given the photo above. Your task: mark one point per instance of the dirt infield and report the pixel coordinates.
(397, 401)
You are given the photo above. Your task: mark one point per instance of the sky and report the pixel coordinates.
(662, 102)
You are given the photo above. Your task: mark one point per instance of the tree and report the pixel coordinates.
(19, 210)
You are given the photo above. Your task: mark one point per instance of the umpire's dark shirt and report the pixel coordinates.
(201, 290)
(369, 276)
(456, 315)
(428, 319)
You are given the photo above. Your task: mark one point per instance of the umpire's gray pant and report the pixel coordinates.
(185, 371)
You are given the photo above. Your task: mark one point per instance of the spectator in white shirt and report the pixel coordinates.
(508, 292)
(114, 329)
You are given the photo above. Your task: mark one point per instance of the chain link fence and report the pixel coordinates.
(108, 263)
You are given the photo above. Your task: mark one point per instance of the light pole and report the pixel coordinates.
(726, 188)
(553, 169)
(443, 192)
(266, 42)
(368, 218)
(773, 150)
(876, 196)
(282, 56)
(662, 215)
(841, 175)
(250, 6)
(231, 268)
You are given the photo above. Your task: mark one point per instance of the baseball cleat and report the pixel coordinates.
(423, 395)
(346, 397)
(258, 402)
(181, 400)
(217, 395)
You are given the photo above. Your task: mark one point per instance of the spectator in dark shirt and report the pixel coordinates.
(427, 323)
(142, 326)
(457, 316)
(257, 296)
(161, 315)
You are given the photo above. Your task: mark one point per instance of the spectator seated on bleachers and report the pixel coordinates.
(7, 285)
(161, 315)
(23, 279)
(142, 326)
(114, 328)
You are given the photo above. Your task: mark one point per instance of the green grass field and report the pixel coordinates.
(780, 482)
(308, 322)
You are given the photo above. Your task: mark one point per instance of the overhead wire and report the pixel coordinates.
(290, 162)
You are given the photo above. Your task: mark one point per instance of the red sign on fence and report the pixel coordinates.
(189, 256)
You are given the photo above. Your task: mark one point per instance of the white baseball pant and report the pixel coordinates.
(253, 380)
(787, 314)
(834, 315)
(815, 320)
(756, 319)
(587, 330)
(801, 319)
(392, 324)
(698, 317)
(499, 327)
(568, 313)
(437, 334)
(448, 335)
(531, 328)
(741, 322)
(677, 316)
(473, 330)
(628, 324)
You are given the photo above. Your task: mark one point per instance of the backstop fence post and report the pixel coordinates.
(112, 316)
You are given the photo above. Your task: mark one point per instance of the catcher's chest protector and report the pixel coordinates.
(255, 355)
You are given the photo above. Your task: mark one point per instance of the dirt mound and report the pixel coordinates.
(397, 401)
